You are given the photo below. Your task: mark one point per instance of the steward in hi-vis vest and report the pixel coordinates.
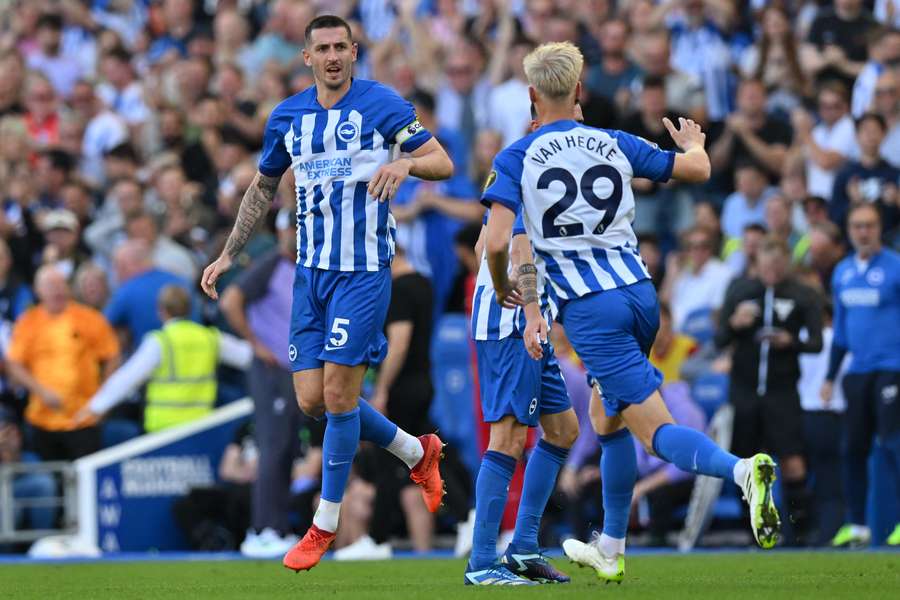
(178, 363)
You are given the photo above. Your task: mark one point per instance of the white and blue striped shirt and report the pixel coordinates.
(573, 184)
(334, 153)
(490, 321)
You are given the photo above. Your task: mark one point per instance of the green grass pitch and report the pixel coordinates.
(669, 577)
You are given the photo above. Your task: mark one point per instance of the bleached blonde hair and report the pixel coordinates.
(554, 69)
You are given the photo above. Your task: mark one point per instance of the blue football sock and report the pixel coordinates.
(491, 490)
(540, 480)
(692, 451)
(338, 450)
(375, 427)
(618, 472)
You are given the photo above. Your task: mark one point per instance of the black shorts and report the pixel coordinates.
(873, 403)
(772, 423)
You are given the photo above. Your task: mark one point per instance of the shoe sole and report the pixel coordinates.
(768, 530)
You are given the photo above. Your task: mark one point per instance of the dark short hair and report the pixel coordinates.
(756, 227)
(648, 238)
(119, 53)
(655, 82)
(871, 116)
(124, 151)
(60, 159)
(51, 21)
(327, 22)
(422, 98)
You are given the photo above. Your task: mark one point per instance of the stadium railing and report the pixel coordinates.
(65, 500)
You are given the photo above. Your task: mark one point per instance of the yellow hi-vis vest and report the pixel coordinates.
(183, 386)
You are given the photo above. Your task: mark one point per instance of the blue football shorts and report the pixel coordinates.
(612, 332)
(338, 317)
(513, 383)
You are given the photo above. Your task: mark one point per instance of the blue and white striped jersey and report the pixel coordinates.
(334, 153)
(573, 183)
(490, 321)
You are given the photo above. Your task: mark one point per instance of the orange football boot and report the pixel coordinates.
(309, 551)
(426, 473)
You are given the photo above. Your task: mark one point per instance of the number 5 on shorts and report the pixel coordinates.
(339, 331)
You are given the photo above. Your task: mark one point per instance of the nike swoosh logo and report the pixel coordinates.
(330, 348)
(297, 139)
(331, 463)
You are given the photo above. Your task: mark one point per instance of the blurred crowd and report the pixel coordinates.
(129, 131)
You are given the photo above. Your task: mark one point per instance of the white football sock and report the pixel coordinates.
(611, 546)
(407, 448)
(327, 515)
(740, 471)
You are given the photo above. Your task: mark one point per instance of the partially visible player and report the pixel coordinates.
(338, 137)
(517, 392)
(574, 185)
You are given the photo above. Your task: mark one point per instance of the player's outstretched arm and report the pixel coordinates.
(429, 161)
(254, 207)
(692, 165)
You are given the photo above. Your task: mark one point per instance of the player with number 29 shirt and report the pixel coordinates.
(573, 185)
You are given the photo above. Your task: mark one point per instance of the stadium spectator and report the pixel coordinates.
(177, 362)
(779, 221)
(741, 255)
(214, 518)
(462, 100)
(825, 146)
(887, 104)
(748, 133)
(826, 249)
(509, 104)
(133, 307)
(775, 59)
(866, 294)
(884, 53)
(91, 286)
(747, 204)
(613, 77)
(695, 279)
(103, 129)
(839, 36)
(120, 90)
(656, 203)
(106, 232)
(41, 110)
(62, 250)
(62, 69)
(35, 486)
(868, 179)
(821, 427)
(684, 93)
(761, 319)
(60, 352)
(166, 254)
(257, 306)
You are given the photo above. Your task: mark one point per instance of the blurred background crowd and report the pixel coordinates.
(129, 131)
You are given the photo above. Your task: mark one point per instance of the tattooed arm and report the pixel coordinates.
(254, 206)
(536, 328)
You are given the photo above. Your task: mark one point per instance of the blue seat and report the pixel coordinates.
(451, 372)
(710, 391)
(116, 431)
(699, 325)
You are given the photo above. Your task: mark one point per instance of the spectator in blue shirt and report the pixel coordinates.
(748, 203)
(868, 179)
(133, 305)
